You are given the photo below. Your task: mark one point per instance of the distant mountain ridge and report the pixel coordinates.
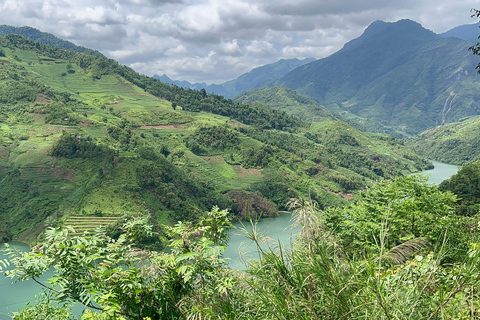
(399, 74)
(467, 32)
(256, 78)
(83, 135)
(46, 38)
(396, 75)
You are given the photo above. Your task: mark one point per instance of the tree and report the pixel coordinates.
(116, 280)
(403, 209)
(476, 47)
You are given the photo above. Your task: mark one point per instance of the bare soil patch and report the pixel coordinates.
(64, 174)
(4, 151)
(42, 99)
(429, 133)
(169, 126)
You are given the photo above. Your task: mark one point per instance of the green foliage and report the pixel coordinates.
(184, 196)
(320, 277)
(252, 205)
(287, 100)
(403, 209)
(466, 186)
(75, 144)
(214, 138)
(12, 92)
(115, 280)
(45, 38)
(44, 309)
(454, 143)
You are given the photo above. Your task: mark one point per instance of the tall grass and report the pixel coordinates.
(318, 280)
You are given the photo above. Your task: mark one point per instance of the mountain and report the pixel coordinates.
(85, 140)
(398, 74)
(45, 38)
(382, 47)
(256, 78)
(467, 32)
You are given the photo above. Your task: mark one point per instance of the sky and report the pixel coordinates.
(214, 41)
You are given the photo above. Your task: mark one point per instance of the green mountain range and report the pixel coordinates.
(84, 137)
(257, 77)
(398, 74)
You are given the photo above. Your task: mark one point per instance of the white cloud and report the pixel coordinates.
(217, 40)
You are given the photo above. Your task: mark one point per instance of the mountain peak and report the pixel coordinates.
(405, 28)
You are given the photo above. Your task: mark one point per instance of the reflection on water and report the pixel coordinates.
(278, 229)
(442, 171)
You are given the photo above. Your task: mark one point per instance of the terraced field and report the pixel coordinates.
(86, 223)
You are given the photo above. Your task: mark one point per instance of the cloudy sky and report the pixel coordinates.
(218, 40)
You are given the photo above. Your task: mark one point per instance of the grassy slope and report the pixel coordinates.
(149, 166)
(455, 143)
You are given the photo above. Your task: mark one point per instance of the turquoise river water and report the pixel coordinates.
(14, 296)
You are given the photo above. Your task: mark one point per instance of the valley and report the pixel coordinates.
(127, 185)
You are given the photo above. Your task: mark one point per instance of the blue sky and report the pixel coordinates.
(218, 40)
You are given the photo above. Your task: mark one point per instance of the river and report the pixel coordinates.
(240, 249)
(280, 229)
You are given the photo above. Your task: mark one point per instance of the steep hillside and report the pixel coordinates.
(293, 103)
(256, 78)
(437, 85)
(398, 74)
(382, 47)
(455, 143)
(82, 135)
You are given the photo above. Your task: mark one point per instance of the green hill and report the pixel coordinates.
(81, 135)
(455, 143)
(287, 100)
(466, 186)
(45, 38)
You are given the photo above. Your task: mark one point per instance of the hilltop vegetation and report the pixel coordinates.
(287, 100)
(466, 186)
(45, 38)
(455, 143)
